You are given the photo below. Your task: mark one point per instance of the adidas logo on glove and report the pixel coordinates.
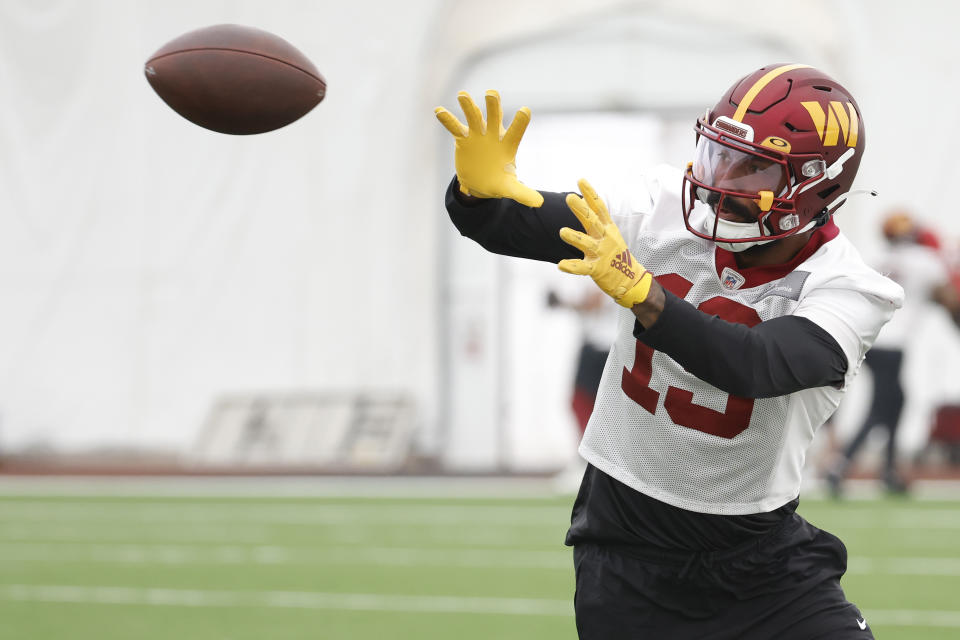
(622, 263)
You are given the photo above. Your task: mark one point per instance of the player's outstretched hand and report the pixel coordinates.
(485, 156)
(606, 257)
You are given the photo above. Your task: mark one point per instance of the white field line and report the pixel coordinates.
(393, 514)
(286, 599)
(168, 554)
(91, 532)
(371, 602)
(894, 519)
(139, 554)
(904, 566)
(239, 487)
(913, 618)
(460, 487)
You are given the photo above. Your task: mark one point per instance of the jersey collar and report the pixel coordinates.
(756, 276)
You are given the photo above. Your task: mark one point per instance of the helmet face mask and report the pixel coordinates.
(811, 141)
(730, 166)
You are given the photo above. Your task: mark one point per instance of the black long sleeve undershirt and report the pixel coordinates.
(776, 357)
(506, 227)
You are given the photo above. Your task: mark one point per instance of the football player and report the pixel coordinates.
(746, 314)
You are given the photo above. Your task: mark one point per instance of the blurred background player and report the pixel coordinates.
(598, 328)
(911, 258)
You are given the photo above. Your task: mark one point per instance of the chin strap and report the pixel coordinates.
(843, 198)
(824, 216)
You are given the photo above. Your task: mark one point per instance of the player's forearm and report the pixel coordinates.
(777, 357)
(506, 227)
(648, 311)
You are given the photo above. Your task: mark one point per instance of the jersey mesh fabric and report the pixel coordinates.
(700, 467)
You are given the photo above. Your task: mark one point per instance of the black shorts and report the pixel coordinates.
(785, 585)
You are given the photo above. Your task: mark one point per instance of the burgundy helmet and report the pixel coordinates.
(778, 153)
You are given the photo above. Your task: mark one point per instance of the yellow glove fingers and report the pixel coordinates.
(472, 113)
(576, 267)
(579, 240)
(485, 163)
(523, 194)
(518, 126)
(591, 224)
(448, 120)
(594, 201)
(494, 113)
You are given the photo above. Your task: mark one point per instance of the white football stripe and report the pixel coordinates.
(279, 555)
(307, 513)
(286, 599)
(230, 487)
(121, 532)
(371, 602)
(913, 618)
(905, 566)
(177, 554)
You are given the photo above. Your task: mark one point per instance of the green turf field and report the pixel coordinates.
(106, 568)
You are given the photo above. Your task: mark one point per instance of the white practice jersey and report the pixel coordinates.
(676, 438)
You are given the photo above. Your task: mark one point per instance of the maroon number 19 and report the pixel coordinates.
(678, 403)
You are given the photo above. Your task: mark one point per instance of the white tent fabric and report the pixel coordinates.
(148, 265)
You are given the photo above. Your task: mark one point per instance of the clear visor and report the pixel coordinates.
(726, 167)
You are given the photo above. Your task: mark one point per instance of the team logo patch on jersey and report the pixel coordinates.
(730, 279)
(788, 287)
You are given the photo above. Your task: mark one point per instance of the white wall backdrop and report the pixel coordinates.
(147, 265)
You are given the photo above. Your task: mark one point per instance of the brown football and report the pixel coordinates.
(235, 79)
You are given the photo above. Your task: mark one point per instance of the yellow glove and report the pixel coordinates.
(606, 257)
(485, 157)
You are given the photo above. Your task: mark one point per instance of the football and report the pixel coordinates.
(235, 79)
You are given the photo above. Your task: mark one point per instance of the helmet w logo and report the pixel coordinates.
(835, 122)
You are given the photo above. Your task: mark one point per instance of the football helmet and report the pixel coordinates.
(776, 156)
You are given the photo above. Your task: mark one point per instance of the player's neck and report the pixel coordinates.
(777, 252)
